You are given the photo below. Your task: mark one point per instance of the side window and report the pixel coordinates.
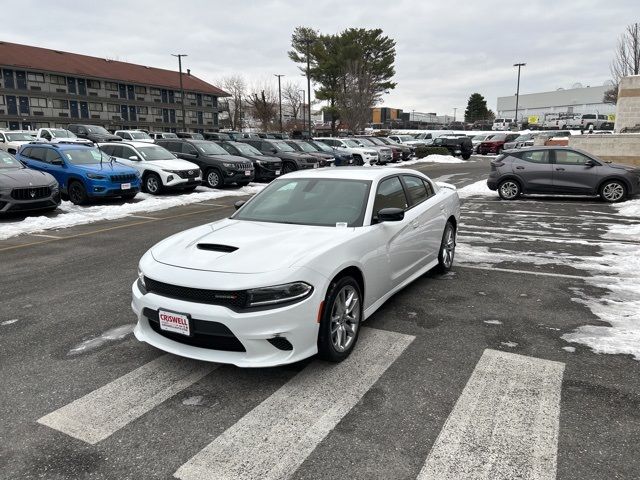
(390, 194)
(26, 152)
(539, 156)
(52, 156)
(567, 157)
(188, 148)
(128, 152)
(114, 151)
(430, 191)
(416, 188)
(39, 154)
(45, 134)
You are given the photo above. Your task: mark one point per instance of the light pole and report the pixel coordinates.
(303, 108)
(280, 100)
(454, 113)
(184, 120)
(519, 65)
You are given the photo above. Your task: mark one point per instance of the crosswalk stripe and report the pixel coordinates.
(275, 438)
(104, 411)
(505, 423)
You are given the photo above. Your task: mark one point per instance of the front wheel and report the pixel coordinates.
(153, 184)
(288, 167)
(214, 179)
(77, 193)
(613, 191)
(447, 248)
(340, 324)
(509, 190)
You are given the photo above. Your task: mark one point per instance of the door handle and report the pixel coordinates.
(519, 168)
(560, 169)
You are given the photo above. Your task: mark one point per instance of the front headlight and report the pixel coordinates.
(278, 294)
(229, 165)
(95, 176)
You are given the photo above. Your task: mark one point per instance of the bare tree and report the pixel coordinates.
(292, 97)
(263, 102)
(357, 95)
(626, 61)
(236, 86)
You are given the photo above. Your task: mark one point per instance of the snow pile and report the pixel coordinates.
(630, 208)
(430, 159)
(476, 189)
(70, 215)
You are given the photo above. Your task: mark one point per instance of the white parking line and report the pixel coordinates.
(106, 410)
(527, 272)
(145, 217)
(45, 236)
(504, 425)
(275, 438)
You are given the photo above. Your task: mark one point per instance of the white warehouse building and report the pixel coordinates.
(572, 100)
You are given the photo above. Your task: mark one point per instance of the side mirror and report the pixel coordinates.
(175, 155)
(57, 162)
(390, 214)
(133, 157)
(273, 150)
(239, 204)
(591, 163)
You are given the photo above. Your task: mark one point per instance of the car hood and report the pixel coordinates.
(18, 143)
(24, 177)
(175, 164)
(260, 246)
(621, 166)
(227, 158)
(263, 158)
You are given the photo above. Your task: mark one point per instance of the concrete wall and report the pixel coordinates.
(628, 107)
(619, 148)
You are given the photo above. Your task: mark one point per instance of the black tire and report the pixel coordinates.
(64, 196)
(327, 342)
(509, 189)
(357, 159)
(152, 184)
(613, 191)
(288, 167)
(447, 248)
(77, 193)
(466, 156)
(213, 179)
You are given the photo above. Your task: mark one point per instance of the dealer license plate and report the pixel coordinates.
(125, 186)
(174, 322)
(247, 173)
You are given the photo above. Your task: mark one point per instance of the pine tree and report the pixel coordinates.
(476, 109)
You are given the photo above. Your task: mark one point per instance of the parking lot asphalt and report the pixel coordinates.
(462, 375)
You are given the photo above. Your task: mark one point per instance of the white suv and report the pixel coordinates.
(361, 155)
(134, 135)
(408, 140)
(158, 167)
(57, 135)
(12, 140)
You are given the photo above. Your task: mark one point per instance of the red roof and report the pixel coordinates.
(28, 57)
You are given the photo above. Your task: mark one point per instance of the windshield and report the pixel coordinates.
(304, 201)
(365, 141)
(85, 156)
(406, 138)
(246, 149)
(99, 130)
(376, 141)
(322, 147)
(351, 143)
(19, 137)
(522, 138)
(61, 133)
(306, 147)
(139, 136)
(7, 161)
(155, 153)
(479, 138)
(169, 135)
(210, 148)
(196, 136)
(498, 138)
(283, 146)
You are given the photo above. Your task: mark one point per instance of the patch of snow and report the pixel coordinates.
(70, 215)
(493, 322)
(9, 322)
(476, 189)
(569, 349)
(630, 208)
(117, 333)
(194, 401)
(430, 159)
(509, 344)
(412, 314)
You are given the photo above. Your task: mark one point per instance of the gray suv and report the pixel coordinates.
(561, 170)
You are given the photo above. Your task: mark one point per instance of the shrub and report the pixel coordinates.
(425, 151)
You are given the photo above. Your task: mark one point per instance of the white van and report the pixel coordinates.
(502, 124)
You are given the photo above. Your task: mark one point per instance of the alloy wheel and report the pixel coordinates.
(76, 193)
(509, 190)
(152, 184)
(345, 318)
(613, 191)
(213, 179)
(449, 248)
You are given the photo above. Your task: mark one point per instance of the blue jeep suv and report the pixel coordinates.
(83, 172)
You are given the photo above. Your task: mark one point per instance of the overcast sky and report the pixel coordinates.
(446, 50)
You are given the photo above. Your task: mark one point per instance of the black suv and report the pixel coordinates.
(291, 160)
(324, 159)
(267, 168)
(458, 147)
(218, 167)
(95, 133)
(191, 135)
(216, 136)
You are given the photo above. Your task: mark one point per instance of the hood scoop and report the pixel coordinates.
(213, 247)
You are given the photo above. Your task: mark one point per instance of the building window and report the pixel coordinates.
(208, 115)
(143, 110)
(38, 102)
(191, 114)
(35, 77)
(154, 91)
(95, 107)
(57, 80)
(111, 86)
(113, 108)
(95, 84)
(1, 99)
(41, 125)
(62, 104)
(141, 90)
(191, 96)
(156, 111)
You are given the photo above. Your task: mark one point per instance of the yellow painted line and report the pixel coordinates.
(107, 229)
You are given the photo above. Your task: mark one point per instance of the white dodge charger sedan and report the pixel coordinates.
(297, 268)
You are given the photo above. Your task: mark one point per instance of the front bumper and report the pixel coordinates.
(268, 171)
(252, 329)
(235, 176)
(11, 205)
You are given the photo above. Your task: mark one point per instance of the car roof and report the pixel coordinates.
(129, 142)
(352, 173)
(59, 146)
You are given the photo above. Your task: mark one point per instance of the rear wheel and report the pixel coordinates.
(613, 191)
(77, 193)
(340, 324)
(447, 248)
(509, 190)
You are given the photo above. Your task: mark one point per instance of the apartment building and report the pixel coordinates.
(41, 88)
